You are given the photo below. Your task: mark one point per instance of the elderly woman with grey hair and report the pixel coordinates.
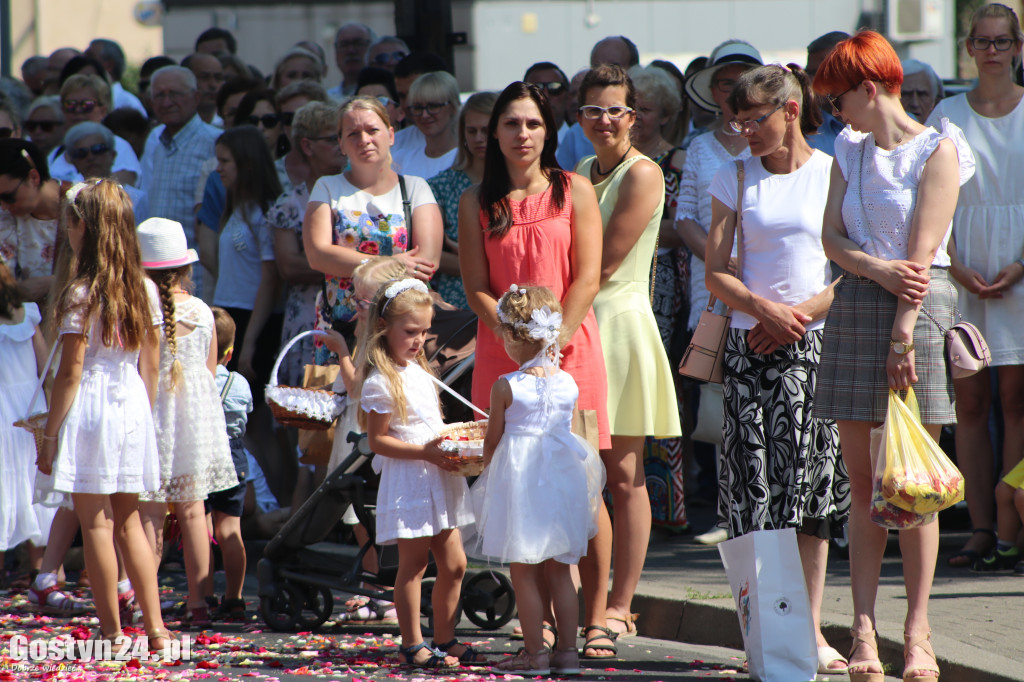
(44, 123)
(921, 89)
(90, 148)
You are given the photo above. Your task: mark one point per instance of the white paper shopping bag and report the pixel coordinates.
(767, 582)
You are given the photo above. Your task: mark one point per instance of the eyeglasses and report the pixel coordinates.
(388, 57)
(356, 42)
(835, 100)
(78, 106)
(12, 196)
(387, 102)
(594, 112)
(363, 304)
(80, 153)
(982, 44)
(6, 132)
(725, 86)
(44, 126)
(326, 138)
(751, 127)
(431, 108)
(286, 117)
(554, 88)
(267, 120)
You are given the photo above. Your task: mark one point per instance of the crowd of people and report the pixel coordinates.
(587, 222)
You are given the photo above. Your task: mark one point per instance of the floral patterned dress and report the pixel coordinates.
(300, 299)
(371, 224)
(448, 187)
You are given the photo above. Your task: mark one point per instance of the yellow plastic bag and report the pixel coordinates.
(918, 477)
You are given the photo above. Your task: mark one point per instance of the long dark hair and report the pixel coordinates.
(256, 182)
(496, 184)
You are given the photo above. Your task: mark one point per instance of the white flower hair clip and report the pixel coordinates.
(512, 289)
(74, 190)
(400, 286)
(545, 325)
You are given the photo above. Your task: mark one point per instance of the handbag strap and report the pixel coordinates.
(406, 207)
(42, 378)
(740, 175)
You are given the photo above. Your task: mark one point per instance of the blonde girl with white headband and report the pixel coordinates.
(536, 503)
(420, 506)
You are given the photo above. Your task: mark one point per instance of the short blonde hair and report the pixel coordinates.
(91, 81)
(435, 86)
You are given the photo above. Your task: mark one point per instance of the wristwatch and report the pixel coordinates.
(901, 348)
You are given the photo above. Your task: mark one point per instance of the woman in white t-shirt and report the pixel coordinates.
(781, 466)
(247, 278)
(430, 146)
(361, 213)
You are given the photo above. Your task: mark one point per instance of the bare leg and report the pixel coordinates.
(62, 534)
(196, 548)
(814, 558)
(867, 541)
(594, 570)
(526, 579)
(974, 455)
(1006, 513)
(97, 518)
(632, 523)
(450, 560)
(413, 554)
(558, 579)
(138, 561)
(152, 515)
(232, 549)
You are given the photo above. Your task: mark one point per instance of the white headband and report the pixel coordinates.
(400, 286)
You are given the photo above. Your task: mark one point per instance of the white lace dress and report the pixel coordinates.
(415, 499)
(989, 220)
(195, 459)
(704, 157)
(538, 498)
(107, 443)
(20, 520)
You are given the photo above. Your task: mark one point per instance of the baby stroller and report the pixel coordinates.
(300, 568)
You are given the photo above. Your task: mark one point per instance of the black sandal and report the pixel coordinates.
(605, 633)
(469, 655)
(550, 628)
(966, 557)
(435, 661)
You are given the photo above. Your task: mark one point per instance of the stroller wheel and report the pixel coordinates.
(311, 604)
(488, 599)
(278, 612)
(427, 605)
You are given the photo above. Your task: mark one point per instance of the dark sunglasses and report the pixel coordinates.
(388, 57)
(835, 100)
(80, 153)
(6, 132)
(268, 120)
(432, 108)
(44, 126)
(12, 196)
(78, 106)
(554, 88)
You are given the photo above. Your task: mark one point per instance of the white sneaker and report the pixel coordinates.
(712, 537)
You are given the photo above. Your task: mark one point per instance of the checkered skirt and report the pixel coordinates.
(852, 382)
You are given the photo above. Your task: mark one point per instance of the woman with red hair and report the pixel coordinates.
(887, 220)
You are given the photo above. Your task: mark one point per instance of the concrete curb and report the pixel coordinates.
(713, 622)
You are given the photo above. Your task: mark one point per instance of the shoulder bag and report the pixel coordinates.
(703, 357)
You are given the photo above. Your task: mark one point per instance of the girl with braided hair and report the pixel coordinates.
(195, 459)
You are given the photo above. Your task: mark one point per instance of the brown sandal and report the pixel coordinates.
(629, 622)
(921, 642)
(868, 639)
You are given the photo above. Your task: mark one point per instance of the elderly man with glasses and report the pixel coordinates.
(350, 46)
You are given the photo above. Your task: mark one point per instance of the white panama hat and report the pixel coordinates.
(163, 245)
(698, 86)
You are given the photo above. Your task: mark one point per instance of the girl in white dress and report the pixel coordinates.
(195, 459)
(100, 445)
(22, 356)
(537, 502)
(419, 506)
(988, 264)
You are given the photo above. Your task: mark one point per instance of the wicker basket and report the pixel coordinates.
(319, 408)
(36, 424)
(468, 455)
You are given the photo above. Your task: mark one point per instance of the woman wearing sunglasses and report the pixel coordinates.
(429, 147)
(87, 98)
(89, 147)
(259, 108)
(888, 217)
(641, 393)
(989, 265)
(781, 467)
(44, 123)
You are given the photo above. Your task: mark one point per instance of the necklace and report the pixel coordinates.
(597, 164)
(899, 140)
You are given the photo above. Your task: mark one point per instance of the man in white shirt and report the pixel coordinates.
(350, 45)
(111, 56)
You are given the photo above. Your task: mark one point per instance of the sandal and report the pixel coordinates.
(826, 657)
(436, 660)
(629, 622)
(869, 640)
(157, 635)
(232, 610)
(197, 617)
(966, 557)
(921, 642)
(525, 664)
(468, 655)
(603, 633)
(565, 662)
(60, 605)
(373, 612)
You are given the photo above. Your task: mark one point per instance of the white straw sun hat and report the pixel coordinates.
(698, 86)
(163, 245)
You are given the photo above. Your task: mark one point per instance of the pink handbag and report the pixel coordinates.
(966, 349)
